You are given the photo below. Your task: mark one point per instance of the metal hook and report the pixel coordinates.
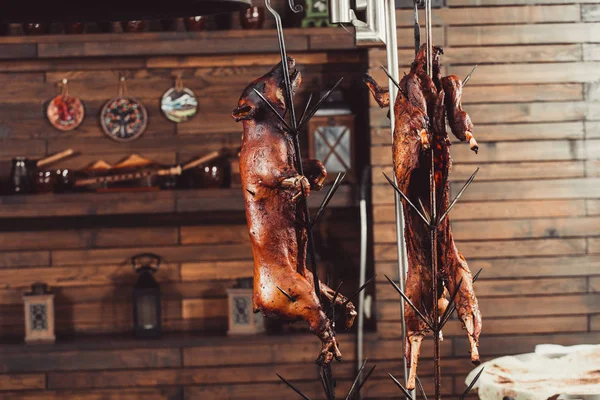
(296, 8)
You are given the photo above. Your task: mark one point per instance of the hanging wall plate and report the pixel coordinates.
(65, 112)
(123, 118)
(179, 103)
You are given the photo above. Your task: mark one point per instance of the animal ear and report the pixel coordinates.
(382, 96)
(243, 112)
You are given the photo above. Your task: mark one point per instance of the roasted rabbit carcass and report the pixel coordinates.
(272, 190)
(420, 114)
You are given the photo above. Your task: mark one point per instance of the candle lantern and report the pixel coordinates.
(242, 319)
(146, 297)
(39, 314)
(331, 137)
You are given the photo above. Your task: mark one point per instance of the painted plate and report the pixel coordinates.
(179, 105)
(123, 119)
(65, 112)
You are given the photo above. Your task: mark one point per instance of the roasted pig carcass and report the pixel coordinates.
(420, 114)
(272, 189)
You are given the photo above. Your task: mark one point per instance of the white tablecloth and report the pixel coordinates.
(553, 371)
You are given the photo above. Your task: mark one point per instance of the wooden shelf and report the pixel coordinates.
(168, 340)
(173, 43)
(172, 201)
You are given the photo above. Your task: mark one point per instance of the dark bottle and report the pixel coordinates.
(22, 181)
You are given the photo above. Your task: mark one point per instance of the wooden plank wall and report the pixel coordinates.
(531, 219)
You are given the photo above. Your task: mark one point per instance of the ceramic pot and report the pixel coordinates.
(44, 182)
(74, 27)
(195, 24)
(133, 26)
(252, 18)
(35, 28)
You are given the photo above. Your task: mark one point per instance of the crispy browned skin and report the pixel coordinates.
(272, 192)
(420, 117)
(459, 121)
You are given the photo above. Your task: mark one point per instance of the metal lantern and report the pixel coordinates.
(39, 314)
(146, 297)
(242, 319)
(331, 137)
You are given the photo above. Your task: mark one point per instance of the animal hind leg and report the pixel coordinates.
(305, 306)
(412, 351)
(341, 301)
(467, 306)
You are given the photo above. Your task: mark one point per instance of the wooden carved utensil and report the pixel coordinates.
(128, 176)
(44, 162)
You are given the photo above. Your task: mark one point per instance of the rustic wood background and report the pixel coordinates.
(530, 220)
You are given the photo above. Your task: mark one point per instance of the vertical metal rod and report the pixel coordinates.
(417, 30)
(434, 267)
(392, 62)
(363, 271)
(290, 106)
(429, 37)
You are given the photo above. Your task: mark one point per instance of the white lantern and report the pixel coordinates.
(39, 314)
(242, 319)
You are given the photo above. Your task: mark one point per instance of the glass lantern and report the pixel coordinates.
(331, 137)
(39, 314)
(146, 297)
(242, 319)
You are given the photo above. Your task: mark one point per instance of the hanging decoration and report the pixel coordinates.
(179, 104)
(123, 118)
(65, 112)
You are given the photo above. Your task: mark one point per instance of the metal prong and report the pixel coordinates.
(391, 77)
(420, 386)
(360, 289)
(327, 382)
(469, 76)
(306, 107)
(406, 392)
(407, 199)
(336, 184)
(446, 316)
(466, 185)
(364, 381)
(472, 384)
(289, 296)
(425, 213)
(453, 305)
(294, 388)
(319, 103)
(281, 119)
(416, 310)
(360, 370)
(331, 308)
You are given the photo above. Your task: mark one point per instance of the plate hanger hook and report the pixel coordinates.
(64, 83)
(122, 86)
(179, 82)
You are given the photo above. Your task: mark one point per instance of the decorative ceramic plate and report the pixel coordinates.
(179, 105)
(65, 112)
(123, 119)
